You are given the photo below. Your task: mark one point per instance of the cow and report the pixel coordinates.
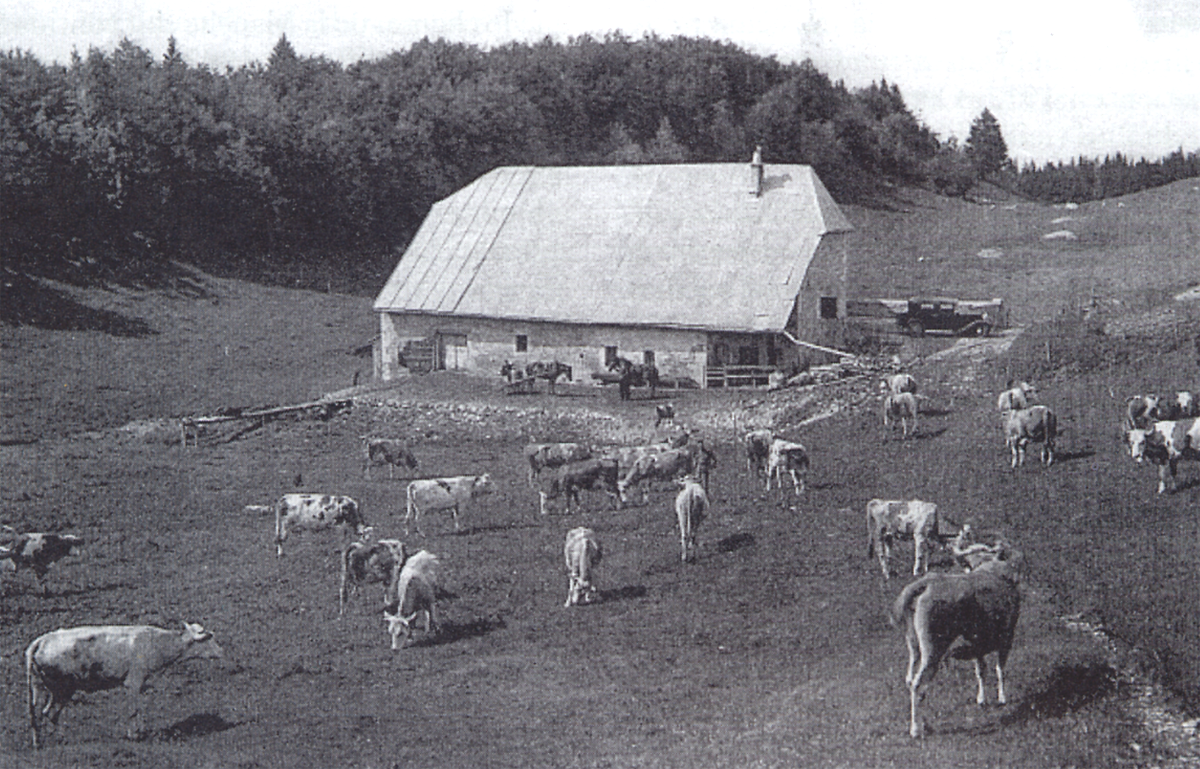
(691, 507)
(664, 413)
(758, 450)
(664, 465)
(412, 592)
(569, 479)
(899, 383)
(38, 552)
(1037, 424)
(889, 521)
(1182, 406)
(543, 455)
(634, 375)
(582, 553)
(1015, 396)
(1164, 444)
(92, 659)
(790, 456)
(901, 408)
(971, 555)
(548, 371)
(980, 607)
(386, 451)
(317, 512)
(1141, 411)
(369, 562)
(430, 495)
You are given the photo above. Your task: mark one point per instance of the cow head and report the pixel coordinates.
(200, 642)
(1136, 438)
(399, 626)
(483, 485)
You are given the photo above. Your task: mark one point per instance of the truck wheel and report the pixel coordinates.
(916, 328)
(983, 330)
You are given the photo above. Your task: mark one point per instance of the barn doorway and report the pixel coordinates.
(452, 352)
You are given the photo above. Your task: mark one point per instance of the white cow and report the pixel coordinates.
(413, 592)
(890, 520)
(790, 456)
(900, 408)
(1164, 444)
(1017, 396)
(1036, 424)
(582, 553)
(899, 383)
(432, 494)
(981, 607)
(691, 508)
(90, 659)
(317, 512)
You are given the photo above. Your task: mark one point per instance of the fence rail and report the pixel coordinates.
(739, 376)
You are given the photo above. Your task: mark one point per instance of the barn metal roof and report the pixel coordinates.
(660, 245)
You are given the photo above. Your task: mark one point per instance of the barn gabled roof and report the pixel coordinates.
(661, 245)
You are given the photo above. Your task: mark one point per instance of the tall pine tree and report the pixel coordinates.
(985, 145)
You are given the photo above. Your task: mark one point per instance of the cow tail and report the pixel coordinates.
(33, 673)
(870, 536)
(279, 508)
(408, 509)
(903, 606)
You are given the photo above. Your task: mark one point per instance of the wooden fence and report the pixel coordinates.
(739, 376)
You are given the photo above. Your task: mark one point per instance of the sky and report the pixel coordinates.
(1064, 78)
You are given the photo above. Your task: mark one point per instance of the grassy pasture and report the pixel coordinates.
(771, 650)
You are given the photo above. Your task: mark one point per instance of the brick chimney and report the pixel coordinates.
(756, 172)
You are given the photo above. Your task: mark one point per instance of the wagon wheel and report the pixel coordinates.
(983, 329)
(916, 328)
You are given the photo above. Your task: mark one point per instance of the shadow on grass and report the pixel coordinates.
(197, 725)
(451, 632)
(735, 542)
(28, 302)
(622, 593)
(1068, 456)
(1066, 689)
(935, 412)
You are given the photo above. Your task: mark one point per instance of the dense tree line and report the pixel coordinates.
(1093, 179)
(122, 157)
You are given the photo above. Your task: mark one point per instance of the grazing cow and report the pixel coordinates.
(548, 371)
(317, 512)
(902, 408)
(433, 494)
(582, 553)
(543, 455)
(386, 451)
(1016, 396)
(971, 555)
(790, 456)
(980, 607)
(38, 552)
(1140, 412)
(691, 507)
(758, 450)
(664, 413)
(412, 592)
(899, 383)
(634, 375)
(663, 465)
(92, 659)
(1164, 444)
(889, 521)
(1036, 424)
(569, 479)
(369, 562)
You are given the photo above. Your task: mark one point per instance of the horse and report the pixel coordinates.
(548, 371)
(634, 375)
(516, 378)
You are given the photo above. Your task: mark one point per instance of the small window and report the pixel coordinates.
(610, 356)
(829, 310)
(522, 343)
(648, 357)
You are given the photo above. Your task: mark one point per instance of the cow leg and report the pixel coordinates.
(885, 556)
(918, 553)
(454, 515)
(542, 502)
(1000, 680)
(980, 699)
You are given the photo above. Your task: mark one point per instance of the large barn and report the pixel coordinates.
(713, 272)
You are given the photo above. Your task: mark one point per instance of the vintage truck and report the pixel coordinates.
(964, 317)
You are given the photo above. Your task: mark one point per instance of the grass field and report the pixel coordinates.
(771, 650)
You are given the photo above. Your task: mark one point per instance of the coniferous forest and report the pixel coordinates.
(123, 159)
